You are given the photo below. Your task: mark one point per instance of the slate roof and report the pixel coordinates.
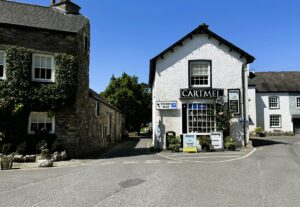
(288, 81)
(95, 95)
(202, 29)
(28, 15)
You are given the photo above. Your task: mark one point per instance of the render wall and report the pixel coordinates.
(252, 107)
(172, 75)
(263, 111)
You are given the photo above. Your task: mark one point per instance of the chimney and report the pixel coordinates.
(66, 6)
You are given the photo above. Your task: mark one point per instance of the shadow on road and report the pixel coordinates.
(258, 142)
(135, 146)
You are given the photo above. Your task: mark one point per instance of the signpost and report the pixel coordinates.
(166, 105)
(190, 143)
(217, 140)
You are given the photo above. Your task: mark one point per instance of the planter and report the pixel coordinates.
(6, 162)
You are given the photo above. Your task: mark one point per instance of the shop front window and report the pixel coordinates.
(201, 118)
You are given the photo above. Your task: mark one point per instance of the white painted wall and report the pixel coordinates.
(252, 107)
(172, 75)
(263, 111)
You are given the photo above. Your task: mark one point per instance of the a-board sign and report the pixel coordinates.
(234, 101)
(216, 140)
(166, 105)
(189, 143)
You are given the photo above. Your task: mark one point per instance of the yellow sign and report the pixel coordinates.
(190, 149)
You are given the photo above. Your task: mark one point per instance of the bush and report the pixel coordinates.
(174, 143)
(41, 145)
(6, 148)
(229, 143)
(205, 143)
(258, 130)
(57, 146)
(21, 149)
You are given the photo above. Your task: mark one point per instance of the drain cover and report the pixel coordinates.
(131, 183)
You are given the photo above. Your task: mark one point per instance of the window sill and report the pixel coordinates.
(43, 81)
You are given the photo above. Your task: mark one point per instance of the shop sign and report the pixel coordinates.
(200, 93)
(234, 101)
(190, 143)
(166, 105)
(216, 140)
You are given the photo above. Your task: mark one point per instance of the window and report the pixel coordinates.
(200, 73)
(275, 121)
(43, 68)
(97, 109)
(201, 118)
(2, 65)
(298, 102)
(40, 121)
(274, 102)
(85, 43)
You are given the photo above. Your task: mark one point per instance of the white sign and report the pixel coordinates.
(216, 140)
(189, 140)
(234, 101)
(166, 105)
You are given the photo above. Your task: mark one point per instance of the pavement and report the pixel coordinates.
(130, 175)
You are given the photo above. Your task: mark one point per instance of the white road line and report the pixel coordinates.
(217, 161)
(152, 161)
(131, 162)
(209, 157)
(107, 163)
(192, 154)
(173, 162)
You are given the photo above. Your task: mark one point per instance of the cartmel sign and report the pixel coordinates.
(189, 143)
(201, 93)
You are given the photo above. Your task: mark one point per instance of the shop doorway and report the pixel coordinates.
(297, 126)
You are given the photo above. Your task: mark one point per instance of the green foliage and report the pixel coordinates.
(19, 95)
(223, 119)
(6, 148)
(174, 143)
(258, 130)
(205, 142)
(132, 98)
(57, 146)
(229, 143)
(21, 148)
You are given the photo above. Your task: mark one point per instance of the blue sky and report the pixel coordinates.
(125, 34)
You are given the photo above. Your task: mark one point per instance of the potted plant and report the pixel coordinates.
(259, 132)
(205, 143)
(6, 161)
(229, 143)
(174, 143)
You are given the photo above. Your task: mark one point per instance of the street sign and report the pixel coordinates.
(190, 143)
(166, 105)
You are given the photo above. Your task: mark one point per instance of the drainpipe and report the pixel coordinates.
(244, 69)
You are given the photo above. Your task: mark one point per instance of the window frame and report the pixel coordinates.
(97, 112)
(52, 80)
(297, 98)
(4, 66)
(214, 128)
(280, 121)
(278, 102)
(44, 113)
(209, 75)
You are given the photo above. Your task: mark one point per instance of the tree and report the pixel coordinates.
(132, 98)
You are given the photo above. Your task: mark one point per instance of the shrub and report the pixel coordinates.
(41, 145)
(6, 148)
(174, 143)
(229, 143)
(57, 146)
(205, 143)
(21, 149)
(258, 130)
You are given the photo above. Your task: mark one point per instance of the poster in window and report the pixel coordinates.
(234, 101)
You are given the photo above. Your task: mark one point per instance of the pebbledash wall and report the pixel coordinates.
(169, 73)
(78, 126)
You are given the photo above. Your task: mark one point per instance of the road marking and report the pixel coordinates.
(152, 161)
(208, 157)
(107, 163)
(208, 153)
(131, 162)
(174, 162)
(217, 161)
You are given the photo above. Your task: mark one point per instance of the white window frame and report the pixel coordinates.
(4, 66)
(278, 102)
(279, 121)
(298, 102)
(44, 114)
(209, 74)
(52, 68)
(215, 121)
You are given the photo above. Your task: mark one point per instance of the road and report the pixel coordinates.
(132, 176)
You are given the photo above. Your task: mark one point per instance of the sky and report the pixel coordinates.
(126, 34)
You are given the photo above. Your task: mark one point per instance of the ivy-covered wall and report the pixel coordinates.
(19, 95)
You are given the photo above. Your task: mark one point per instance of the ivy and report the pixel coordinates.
(19, 95)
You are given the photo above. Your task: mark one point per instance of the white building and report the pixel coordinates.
(189, 80)
(274, 101)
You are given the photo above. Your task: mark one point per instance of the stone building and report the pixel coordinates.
(191, 78)
(88, 124)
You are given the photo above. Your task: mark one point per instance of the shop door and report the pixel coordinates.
(297, 126)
